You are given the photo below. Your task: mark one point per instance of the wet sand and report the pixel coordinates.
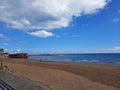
(67, 76)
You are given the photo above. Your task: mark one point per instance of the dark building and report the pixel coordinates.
(19, 55)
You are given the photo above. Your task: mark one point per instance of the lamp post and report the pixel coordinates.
(1, 53)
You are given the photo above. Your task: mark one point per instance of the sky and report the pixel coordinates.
(60, 26)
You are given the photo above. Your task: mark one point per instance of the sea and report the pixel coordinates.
(96, 58)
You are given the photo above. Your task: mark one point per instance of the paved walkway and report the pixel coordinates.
(9, 81)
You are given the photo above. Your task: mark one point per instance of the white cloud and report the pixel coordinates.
(116, 20)
(19, 50)
(41, 33)
(45, 14)
(114, 49)
(117, 48)
(3, 37)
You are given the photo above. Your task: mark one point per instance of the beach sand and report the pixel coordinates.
(67, 76)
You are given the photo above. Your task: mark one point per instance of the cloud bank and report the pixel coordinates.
(45, 15)
(114, 49)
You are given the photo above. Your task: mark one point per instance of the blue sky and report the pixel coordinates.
(94, 29)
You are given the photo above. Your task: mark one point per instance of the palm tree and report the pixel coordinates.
(1, 53)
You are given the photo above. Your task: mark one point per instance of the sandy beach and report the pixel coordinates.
(67, 76)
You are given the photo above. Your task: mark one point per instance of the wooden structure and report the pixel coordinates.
(19, 55)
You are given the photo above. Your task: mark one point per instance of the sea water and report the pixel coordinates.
(107, 58)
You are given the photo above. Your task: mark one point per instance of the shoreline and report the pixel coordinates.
(95, 58)
(70, 62)
(103, 76)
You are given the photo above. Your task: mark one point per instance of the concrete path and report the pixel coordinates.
(9, 81)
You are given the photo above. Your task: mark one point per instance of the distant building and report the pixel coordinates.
(5, 55)
(19, 55)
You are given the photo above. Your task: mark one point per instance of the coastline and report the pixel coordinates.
(67, 76)
(93, 58)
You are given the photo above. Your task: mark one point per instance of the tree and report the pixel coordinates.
(1, 50)
(1, 53)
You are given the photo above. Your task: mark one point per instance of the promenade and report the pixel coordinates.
(8, 81)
